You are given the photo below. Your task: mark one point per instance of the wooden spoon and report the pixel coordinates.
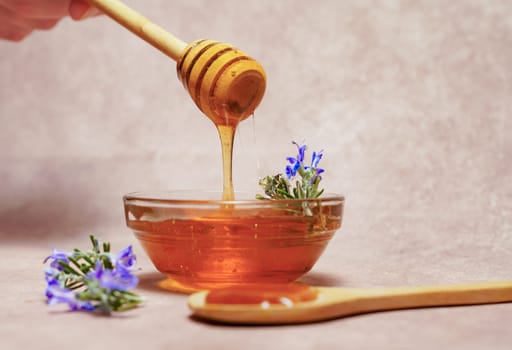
(224, 82)
(327, 303)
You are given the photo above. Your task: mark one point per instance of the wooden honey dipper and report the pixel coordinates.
(225, 83)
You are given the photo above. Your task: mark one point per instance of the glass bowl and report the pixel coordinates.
(201, 242)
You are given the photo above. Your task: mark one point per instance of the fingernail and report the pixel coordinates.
(86, 13)
(79, 10)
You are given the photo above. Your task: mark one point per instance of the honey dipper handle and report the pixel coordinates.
(142, 27)
(379, 299)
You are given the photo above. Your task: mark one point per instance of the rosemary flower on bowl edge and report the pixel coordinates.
(300, 181)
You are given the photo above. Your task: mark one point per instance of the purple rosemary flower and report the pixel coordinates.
(295, 162)
(92, 280)
(118, 279)
(302, 151)
(125, 259)
(58, 257)
(57, 294)
(279, 187)
(51, 274)
(291, 170)
(315, 159)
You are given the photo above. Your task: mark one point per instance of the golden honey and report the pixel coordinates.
(206, 244)
(263, 295)
(226, 85)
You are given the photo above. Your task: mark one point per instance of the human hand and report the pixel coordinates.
(18, 18)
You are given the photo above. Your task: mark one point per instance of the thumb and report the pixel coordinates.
(80, 9)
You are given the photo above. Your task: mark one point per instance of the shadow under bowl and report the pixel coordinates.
(208, 243)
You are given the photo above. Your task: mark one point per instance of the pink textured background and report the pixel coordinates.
(411, 100)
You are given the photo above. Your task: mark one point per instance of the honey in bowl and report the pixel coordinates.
(210, 244)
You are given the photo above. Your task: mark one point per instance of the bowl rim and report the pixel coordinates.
(159, 197)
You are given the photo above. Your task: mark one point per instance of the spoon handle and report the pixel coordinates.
(380, 299)
(142, 27)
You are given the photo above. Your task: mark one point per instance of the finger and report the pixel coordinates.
(7, 17)
(79, 9)
(38, 8)
(44, 24)
(12, 32)
(14, 35)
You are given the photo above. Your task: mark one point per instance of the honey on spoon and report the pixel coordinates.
(296, 303)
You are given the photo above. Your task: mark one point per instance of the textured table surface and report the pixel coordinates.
(410, 100)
